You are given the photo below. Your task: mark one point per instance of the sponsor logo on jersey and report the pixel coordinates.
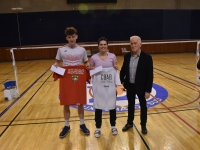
(74, 78)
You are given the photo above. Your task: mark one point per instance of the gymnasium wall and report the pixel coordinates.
(61, 5)
(43, 22)
(36, 28)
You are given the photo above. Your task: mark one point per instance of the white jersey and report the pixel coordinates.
(72, 56)
(104, 88)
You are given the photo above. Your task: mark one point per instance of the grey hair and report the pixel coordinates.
(135, 36)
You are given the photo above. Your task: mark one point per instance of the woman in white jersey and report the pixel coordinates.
(106, 60)
(72, 55)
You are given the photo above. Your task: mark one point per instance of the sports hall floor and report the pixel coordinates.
(34, 121)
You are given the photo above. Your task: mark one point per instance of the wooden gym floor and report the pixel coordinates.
(34, 121)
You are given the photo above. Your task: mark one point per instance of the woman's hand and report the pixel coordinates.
(87, 65)
(116, 67)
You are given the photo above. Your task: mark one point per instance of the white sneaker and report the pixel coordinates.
(97, 133)
(114, 131)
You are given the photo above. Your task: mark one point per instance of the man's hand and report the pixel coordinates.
(147, 95)
(56, 64)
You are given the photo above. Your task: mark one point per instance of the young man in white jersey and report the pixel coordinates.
(72, 55)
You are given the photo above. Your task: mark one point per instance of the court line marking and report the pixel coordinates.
(26, 102)
(189, 125)
(179, 82)
(177, 77)
(145, 143)
(3, 81)
(32, 123)
(152, 96)
(29, 67)
(7, 108)
(8, 73)
(198, 132)
(195, 89)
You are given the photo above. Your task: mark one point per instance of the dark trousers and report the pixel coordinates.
(131, 94)
(98, 117)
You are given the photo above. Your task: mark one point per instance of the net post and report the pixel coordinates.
(15, 70)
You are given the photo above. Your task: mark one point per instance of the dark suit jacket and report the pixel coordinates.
(144, 73)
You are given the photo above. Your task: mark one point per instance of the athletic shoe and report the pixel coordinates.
(65, 130)
(84, 129)
(114, 131)
(97, 133)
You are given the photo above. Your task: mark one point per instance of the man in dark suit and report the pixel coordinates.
(137, 77)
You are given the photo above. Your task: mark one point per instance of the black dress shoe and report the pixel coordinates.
(126, 127)
(144, 130)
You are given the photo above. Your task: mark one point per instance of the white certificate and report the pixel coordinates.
(96, 70)
(58, 70)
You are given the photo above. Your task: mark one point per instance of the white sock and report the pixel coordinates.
(98, 129)
(81, 121)
(113, 127)
(67, 123)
